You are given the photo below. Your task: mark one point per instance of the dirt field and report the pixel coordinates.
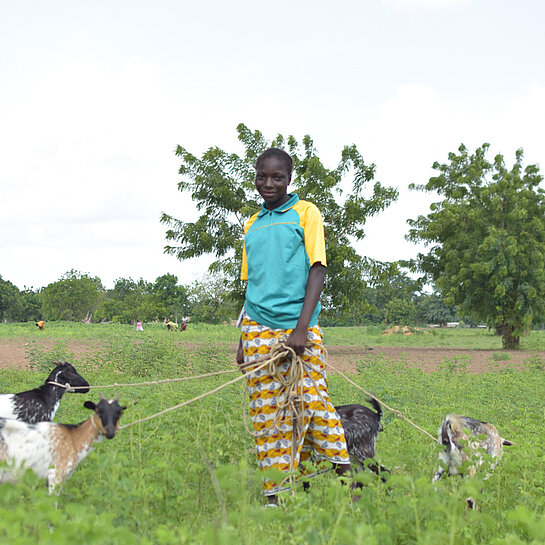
(344, 358)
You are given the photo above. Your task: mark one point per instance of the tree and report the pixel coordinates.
(10, 300)
(170, 297)
(210, 302)
(126, 301)
(488, 237)
(222, 186)
(432, 309)
(75, 296)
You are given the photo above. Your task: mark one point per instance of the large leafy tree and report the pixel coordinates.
(487, 238)
(222, 186)
(75, 296)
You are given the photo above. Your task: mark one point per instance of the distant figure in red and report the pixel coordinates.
(41, 325)
(139, 326)
(183, 325)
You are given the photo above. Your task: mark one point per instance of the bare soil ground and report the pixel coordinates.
(13, 354)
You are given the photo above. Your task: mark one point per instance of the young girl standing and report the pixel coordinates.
(284, 262)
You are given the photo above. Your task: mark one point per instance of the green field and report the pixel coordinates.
(190, 476)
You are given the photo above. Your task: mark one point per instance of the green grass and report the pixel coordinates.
(428, 337)
(190, 477)
(225, 334)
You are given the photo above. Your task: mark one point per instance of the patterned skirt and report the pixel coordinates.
(320, 433)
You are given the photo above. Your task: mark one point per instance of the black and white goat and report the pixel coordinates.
(361, 426)
(52, 450)
(464, 439)
(41, 404)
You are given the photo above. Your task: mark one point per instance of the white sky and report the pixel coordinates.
(96, 95)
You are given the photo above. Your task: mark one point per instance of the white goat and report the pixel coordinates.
(41, 404)
(52, 450)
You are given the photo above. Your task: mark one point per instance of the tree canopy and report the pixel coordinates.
(222, 186)
(487, 238)
(74, 297)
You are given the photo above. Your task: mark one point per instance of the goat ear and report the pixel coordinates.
(507, 443)
(123, 408)
(89, 405)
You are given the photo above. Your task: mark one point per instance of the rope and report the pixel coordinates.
(263, 363)
(291, 387)
(395, 411)
(149, 383)
(291, 392)
(290, 404)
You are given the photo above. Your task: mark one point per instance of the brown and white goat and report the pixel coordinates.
(51, 450)
(465, 439)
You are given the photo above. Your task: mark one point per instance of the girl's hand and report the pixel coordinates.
(297, 340)
(240, 353)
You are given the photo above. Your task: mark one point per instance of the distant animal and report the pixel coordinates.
(41, 404)
(361, 426)
(460, 437)
(41, 325)
(52, 450)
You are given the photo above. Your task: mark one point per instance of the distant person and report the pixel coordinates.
(139, 326)
(183, 325)
(171, 326)
(41, 325)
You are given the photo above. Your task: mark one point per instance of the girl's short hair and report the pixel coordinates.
(280, 154)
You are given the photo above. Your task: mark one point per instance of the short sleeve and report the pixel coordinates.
(313, 227)
(244, 265)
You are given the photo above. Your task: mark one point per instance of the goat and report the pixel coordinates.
(52, 450)
(41, 404)
(361, 426)
(460, 437)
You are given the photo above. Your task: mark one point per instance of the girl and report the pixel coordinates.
(284, 263)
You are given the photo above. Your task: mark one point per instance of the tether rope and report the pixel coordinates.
(148, 383)
(291, 387)
(395, 411)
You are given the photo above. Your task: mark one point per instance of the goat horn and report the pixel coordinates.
(102, 396)
(116, 398)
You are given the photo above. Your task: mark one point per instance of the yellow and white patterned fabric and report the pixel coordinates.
(322, 432)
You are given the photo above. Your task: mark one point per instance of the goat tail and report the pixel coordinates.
(376, 405)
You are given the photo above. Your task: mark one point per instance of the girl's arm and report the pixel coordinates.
(315, 284)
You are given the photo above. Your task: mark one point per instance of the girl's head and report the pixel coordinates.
(273, 175)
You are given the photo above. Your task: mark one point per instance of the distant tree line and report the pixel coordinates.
(390, 299)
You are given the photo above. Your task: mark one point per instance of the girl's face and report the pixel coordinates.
(271, 181)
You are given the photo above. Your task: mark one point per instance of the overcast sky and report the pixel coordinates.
(95, 97)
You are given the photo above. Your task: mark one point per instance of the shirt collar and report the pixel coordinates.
(294, 198)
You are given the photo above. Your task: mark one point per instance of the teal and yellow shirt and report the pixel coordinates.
(280, 247)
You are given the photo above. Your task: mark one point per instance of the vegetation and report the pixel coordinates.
(488, 240)
(16, 305)
(74, 297)
(189, 477)
(222, 186)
